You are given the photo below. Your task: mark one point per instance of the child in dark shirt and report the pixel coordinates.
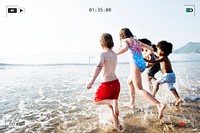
(153, 68)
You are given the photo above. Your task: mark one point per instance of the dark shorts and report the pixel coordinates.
(153, 70)
(108, 90)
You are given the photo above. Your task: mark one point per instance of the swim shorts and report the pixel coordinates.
(168, 78)
(108, 90)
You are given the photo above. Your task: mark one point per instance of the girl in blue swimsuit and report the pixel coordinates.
(137, 66)
(136, 55)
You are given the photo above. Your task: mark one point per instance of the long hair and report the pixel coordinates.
(125, 33)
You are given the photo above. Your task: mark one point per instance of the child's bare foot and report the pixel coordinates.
(132, 105)
(115, 108)
(178, 101)
(118, 128)
(161, 108)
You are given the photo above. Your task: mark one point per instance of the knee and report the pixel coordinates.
(96, 102)
(129, 81)
(110, 106)
(149, 78)
(157, 84)
(140, 89)
(172, 89)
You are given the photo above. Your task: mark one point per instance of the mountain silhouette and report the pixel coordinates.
(191, 47)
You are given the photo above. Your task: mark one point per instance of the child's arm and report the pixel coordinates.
(149, 65)
(155, 61)
(123, 48)
(96, 72)
(148, 48)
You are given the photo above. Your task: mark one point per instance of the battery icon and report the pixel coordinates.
(189, 10)
(12, 10)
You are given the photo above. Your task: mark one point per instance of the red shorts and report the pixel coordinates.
(108, 90)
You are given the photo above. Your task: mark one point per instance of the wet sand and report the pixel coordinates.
(182, 119)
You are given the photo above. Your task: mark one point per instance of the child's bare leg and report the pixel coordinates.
(137, 81)
(117, 125)
(178, 101)
(115, 107)
(155, 89)
(149, 79)
(161, 108)
(131, 92)
(154, 101)
(154, 79)
(175, 93)
(112, 103)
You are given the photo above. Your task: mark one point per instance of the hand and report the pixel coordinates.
(89, 85)
(149, 65)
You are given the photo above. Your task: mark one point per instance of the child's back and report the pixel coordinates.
(109, 63)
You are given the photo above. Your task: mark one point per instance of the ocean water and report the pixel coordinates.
(52, 98)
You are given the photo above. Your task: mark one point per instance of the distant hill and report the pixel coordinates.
(191, 47)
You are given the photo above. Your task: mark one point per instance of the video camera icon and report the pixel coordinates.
(13, 9)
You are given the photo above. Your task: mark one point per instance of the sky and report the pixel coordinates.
(69, 27)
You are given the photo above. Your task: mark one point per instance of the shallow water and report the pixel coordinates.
(53, 99)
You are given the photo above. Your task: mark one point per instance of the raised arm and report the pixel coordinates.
(123, 48)
(148, 48)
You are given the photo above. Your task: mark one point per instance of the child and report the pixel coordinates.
(108, 91)
(152, 68)
(137, 66)
(164, 49)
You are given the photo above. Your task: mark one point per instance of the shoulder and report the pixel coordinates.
(165, 59)
(128, 40)
(124, 41)
(113, 52)
(110, 53)
(107, 53)
(131, 41)
(161, 59)
(101, 54)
